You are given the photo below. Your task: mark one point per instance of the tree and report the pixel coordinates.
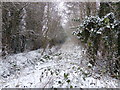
(101, 35)
(12, 15)
(34, 25)
(30, 26)
(107, 7)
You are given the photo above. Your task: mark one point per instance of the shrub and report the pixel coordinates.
(100, 36)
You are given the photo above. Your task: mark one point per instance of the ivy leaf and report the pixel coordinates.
(68, 81)
(71, 86)
(106, 20)
(89, 44)
(65, 75)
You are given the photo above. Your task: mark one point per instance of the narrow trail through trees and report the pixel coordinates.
(65, 68)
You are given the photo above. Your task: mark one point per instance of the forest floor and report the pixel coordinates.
(66, 67)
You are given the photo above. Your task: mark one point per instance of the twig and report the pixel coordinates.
(48, 82)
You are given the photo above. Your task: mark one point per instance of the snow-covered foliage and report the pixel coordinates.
(63, 68)
(100, 35)
(58, 61)
(97, 24)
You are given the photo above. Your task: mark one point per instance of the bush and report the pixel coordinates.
(100, 35)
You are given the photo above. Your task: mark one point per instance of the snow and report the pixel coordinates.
(66, 67)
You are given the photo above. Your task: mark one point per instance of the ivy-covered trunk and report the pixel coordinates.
(102, 39)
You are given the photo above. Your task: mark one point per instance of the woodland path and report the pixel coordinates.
(66, 67)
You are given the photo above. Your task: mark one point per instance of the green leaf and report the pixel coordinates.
(106, 20)
(71, 86)
(68, 81)
(89, 44)
(66, 75)
(78, 68)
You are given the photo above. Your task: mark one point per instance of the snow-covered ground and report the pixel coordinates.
(66, 67)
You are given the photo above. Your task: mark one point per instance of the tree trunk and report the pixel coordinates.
(104, 9)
